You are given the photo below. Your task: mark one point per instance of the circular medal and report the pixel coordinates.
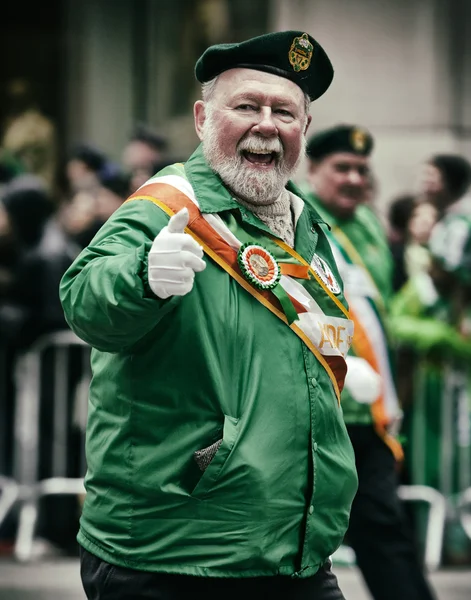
(259, 266)
(325, 274)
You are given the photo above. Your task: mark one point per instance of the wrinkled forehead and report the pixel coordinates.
(347, 158)
(240, 81)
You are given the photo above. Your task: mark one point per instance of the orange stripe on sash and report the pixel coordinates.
(171, 200)
(362, 346)
(297, 271)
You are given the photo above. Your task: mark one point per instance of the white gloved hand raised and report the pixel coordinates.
(174, 258)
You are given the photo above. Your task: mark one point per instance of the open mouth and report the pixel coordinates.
(260, 158)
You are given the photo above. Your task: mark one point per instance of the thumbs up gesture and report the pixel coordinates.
(174, 259)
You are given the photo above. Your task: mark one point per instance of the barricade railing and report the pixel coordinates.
(437, 512)
(464, 510)
(51, 378)
(436, 520)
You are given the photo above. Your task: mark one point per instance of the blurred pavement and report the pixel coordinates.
(60, 580)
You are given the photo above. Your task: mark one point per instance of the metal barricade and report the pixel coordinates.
(9, 491)
(436, 520)
(43, 374)
(464, 510)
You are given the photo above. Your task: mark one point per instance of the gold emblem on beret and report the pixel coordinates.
(300, 53)
(358, 139)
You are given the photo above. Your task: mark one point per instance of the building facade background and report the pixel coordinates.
(402, 69)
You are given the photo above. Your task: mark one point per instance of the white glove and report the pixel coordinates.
(174, 258)
(362, 381)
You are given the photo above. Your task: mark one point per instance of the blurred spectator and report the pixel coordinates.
(422, 220)
(39, 252)
(430, 322)
(95, 187)
(113, 190)
(398, 217)
(10, 167)
(29, 302)
(143, 151)
(83, 166)
(444, 181)
(28, 133)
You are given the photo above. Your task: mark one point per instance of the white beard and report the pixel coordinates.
(251, 185)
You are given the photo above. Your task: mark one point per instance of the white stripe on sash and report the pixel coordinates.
(361, 306)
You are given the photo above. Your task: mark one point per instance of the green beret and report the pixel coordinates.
(291, 54)
(450, 245)
(341, 138)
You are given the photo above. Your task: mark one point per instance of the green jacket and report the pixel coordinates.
(367, 236)
(172, 377)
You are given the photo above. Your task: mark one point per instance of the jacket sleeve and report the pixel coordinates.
(105, 294)
(409, 324)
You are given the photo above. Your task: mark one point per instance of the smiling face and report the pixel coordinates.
(341, 181)
(253, 129)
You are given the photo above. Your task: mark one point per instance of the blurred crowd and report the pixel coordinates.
(51, 206)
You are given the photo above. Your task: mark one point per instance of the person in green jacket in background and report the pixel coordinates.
(219, 465)
(430, 321)
(338, 184)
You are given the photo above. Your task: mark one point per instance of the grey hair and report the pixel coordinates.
(208, 87)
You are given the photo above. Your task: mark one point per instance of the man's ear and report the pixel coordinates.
(200, 117)
(309, 119)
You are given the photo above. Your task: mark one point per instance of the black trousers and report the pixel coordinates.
(102, 581)
(379, 531)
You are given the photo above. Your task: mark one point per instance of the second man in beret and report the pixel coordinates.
(340, 181)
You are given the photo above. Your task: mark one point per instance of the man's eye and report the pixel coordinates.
(246, 107)
(283, 113)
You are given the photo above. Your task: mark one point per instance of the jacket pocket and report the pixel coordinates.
(212, 471)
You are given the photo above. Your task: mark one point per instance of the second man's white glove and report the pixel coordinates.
(362, 381)
(174, 259)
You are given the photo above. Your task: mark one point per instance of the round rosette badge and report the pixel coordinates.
(259, 266)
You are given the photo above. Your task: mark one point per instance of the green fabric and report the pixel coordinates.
(450, 245)
(426, 327)
(294, 55)
(437, 423)
(365, 232)
(172, 377)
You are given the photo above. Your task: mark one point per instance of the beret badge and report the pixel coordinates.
(300, 53)
(358, 139)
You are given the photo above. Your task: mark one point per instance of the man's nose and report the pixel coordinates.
(265, 124)
(354, 177)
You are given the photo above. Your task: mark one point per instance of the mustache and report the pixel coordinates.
(256, 144)
(353, 190)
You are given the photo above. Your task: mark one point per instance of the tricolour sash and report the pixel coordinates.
(370, 341)
(327, 337)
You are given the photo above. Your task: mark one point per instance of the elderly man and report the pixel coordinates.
(219, 465)
(339, 179)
